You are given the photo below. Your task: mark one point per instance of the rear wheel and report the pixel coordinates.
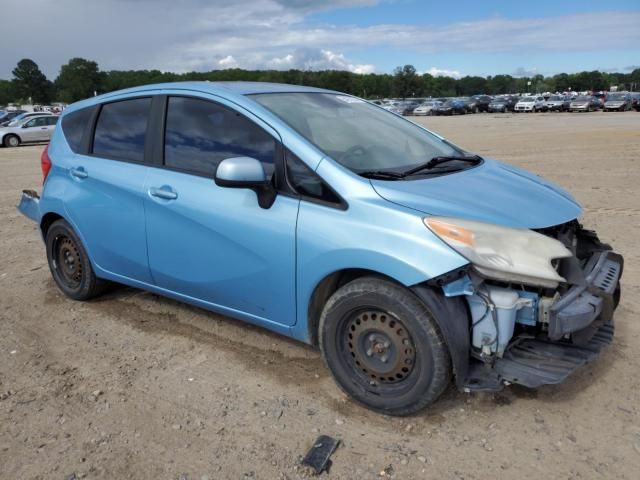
(11, 141)
(383, 347)
(70, 265)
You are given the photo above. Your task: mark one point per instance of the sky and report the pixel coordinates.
(458, 38)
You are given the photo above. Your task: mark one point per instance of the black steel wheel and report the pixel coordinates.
(383, 346)
(69, 263)
(66, 261)
(378, 347)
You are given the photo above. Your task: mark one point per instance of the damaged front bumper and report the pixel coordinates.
(574, 330)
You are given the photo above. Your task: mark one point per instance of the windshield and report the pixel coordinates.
(617, 96)
(358, 135)
(527, 100)
(583, 99)
(18, 119)
(499, 100)
(555, 98)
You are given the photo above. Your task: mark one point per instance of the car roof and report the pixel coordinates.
(239, 88)
(224, 89)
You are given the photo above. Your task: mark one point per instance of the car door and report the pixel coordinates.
(50, 124)
(212, 243)
(33, 130)
(104, 192)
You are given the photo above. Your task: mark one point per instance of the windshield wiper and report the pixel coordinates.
(435, 161)
(381, 174)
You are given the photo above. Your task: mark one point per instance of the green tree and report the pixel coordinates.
(406, 82)
(78, 79)
(29, 83)
(6, 92)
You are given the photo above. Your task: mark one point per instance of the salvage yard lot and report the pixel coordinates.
(137, 386)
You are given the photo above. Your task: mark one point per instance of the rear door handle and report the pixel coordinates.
(79, 172)
(165, 192)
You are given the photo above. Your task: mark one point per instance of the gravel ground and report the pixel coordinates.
(137, 386)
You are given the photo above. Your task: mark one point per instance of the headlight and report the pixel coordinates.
(508, 254)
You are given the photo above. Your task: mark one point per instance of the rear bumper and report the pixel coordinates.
(29, 205)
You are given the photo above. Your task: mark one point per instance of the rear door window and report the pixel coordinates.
(200, 134)
(121, 130)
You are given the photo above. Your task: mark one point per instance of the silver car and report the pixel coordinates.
(28, 130)
(22, 116)
(620, 102)
(584, 103)
(558, 103)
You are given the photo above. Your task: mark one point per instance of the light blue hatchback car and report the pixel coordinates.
(325, 218)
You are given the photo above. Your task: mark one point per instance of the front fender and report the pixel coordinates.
(373, 235)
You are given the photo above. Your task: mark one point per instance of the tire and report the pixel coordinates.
(373, 318)
(70, 265)
(11, 141)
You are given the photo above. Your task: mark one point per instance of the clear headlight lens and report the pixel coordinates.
(509, 254)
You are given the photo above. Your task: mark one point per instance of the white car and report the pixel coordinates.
(530, 104)
(426, 107)
(28, 130)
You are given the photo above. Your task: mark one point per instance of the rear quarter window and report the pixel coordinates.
(74, 125)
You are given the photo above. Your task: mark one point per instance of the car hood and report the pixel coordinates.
(493, 192)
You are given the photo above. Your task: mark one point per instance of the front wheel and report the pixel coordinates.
(70, 265)
(383, 347)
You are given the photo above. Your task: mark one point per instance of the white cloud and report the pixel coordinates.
(442, 72)
(228, 62)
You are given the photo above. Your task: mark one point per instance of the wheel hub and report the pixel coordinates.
(67, 259)
(380, 347)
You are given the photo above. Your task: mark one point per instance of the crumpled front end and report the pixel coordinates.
(535, 336)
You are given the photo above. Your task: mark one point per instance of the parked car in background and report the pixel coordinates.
(7, 115)
(407, 260)
(426, 108)
(22, 116)
(620, 102)
(584, 103)
(530, 104)
(558, 103)
(635, 101)
(482, 102)
(471, 104)
(450, 107)
(31, 129)
(408, 106)
(394, 107)
(503, 104)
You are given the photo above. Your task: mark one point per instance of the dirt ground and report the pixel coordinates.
(137, 386)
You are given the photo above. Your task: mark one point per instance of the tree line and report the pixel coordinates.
(81, 78)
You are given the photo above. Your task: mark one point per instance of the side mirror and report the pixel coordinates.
(246, 172)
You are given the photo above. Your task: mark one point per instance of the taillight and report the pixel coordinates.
(45, 163)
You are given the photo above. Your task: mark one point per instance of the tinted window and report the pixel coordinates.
(52, 120)
(121, 130)
(200, 134)
(73, 126)
(306, 182)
